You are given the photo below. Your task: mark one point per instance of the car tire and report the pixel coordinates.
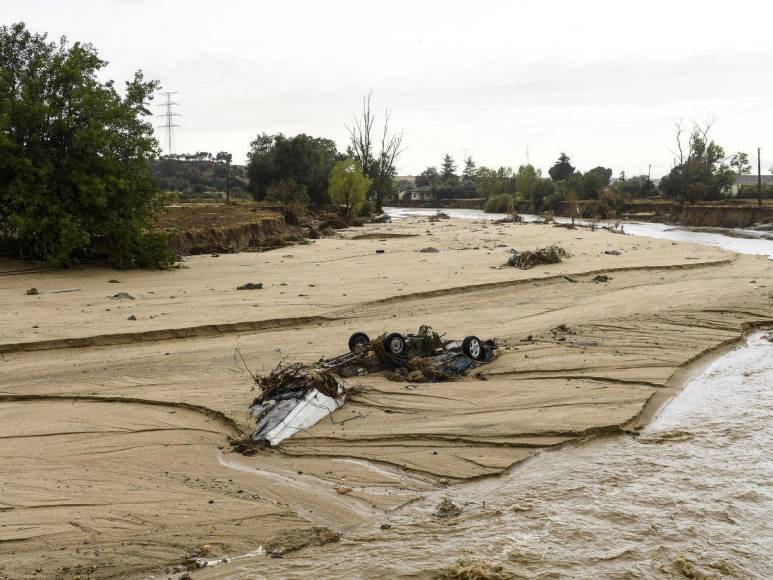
(473, 347)
(395, 344)
(359, 341)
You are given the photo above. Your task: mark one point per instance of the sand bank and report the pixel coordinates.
(114, 430)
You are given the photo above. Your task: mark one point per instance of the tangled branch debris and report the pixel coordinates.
(288, 379)
(530, 258)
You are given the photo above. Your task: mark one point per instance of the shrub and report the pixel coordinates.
(500, 203)
(530, 258)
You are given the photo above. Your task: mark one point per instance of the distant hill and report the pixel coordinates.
(198, 178)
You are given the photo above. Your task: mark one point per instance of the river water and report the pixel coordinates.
(691, 496)
(751, 245)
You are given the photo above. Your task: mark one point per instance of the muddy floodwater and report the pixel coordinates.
(690, 496)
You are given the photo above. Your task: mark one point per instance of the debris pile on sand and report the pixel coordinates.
(251, 286)
(530, 258)
(295, 396)
(32, 292)
(513, 218)
(447, 509)
(473, 570)
(122, 296)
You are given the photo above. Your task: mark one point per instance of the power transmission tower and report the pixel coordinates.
(169, 124)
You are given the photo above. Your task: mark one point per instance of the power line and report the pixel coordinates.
(169, 116)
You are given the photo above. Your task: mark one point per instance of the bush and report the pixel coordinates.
(500, 203)
(530, 258)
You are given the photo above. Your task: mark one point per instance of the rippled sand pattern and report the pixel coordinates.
(690, 497)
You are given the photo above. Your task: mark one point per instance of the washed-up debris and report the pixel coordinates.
(463, 569)
(379, 251)
(561, 331)
(429, 250)
(122, 296)
(439, 216)
(251, 286)
(617, 228)
(294, 396)
(132, 317)
(530, 258)
(570, 279)
(32, 292)
(601, 278)
(612, 252)
(113, 281)
(513, 218)
(381, 219)
(447, 509)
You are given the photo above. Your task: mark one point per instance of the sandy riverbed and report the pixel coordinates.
(111, 429)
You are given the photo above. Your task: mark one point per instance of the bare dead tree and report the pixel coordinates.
(391, 147)
(362, 146)
(698, 132)
(360, 135)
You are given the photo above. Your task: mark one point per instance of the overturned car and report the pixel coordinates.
(294, 397)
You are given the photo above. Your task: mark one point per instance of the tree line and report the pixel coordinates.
(75, 157)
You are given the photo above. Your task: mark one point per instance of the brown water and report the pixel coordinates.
(691, 496)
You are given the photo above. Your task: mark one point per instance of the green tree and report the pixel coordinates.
(306, 160)
(348, 186)
(287, 192)
(526, 180)
(593, 181)
(635, 187)
(429, 176)
(487, 182)
(448, 170)
(703, 171)
(468, 175)
(74, 155)
(544, 188)
(562, 168)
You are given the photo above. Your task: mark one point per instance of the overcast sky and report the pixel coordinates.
(604, 81)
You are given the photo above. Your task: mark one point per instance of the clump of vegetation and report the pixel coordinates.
(530, 258)
(348, 187)
(500, 203)
(74, 174)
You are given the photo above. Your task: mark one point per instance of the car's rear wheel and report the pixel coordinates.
(395, 344)
(472, 347)
(358, 342)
